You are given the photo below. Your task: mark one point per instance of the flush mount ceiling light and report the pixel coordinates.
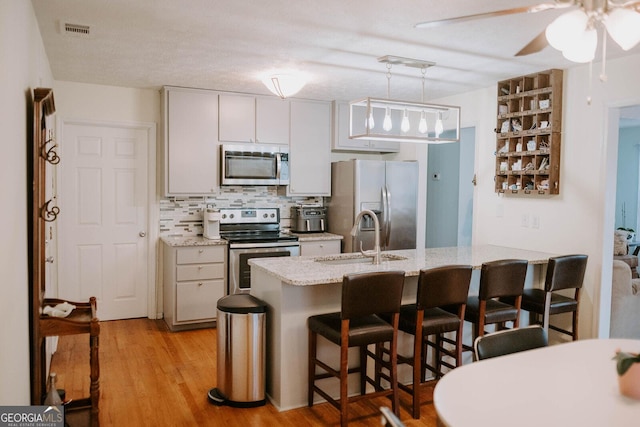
(403, 121)
(285, 84)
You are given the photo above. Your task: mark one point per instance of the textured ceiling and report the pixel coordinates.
(226, 44)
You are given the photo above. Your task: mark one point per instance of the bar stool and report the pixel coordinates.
(364, 297)
(498, 280)
(446, 286)
(563, 272)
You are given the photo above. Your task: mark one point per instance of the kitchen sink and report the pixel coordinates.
(357, 259)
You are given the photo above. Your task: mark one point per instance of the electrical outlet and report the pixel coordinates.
(535, 221)
(525, 220)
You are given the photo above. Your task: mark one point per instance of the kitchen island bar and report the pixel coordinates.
(295, 288)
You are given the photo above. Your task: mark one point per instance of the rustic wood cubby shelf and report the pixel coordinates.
(529, 134)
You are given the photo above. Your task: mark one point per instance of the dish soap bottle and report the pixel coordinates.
(53, 398)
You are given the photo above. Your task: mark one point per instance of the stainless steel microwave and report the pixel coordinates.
(254, 164)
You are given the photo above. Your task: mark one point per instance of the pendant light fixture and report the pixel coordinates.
(403, 121)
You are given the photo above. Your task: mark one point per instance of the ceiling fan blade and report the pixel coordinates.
(515, 10)
(535, 45)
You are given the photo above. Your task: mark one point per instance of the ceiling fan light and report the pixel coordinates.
(623, 25)
(566, 28)
(284, 85)
(584, 48)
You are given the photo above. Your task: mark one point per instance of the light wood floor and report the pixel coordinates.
(150, 376)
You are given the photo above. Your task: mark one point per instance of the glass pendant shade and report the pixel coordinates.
(405, 126)
(371, 123)
(566, 29)
(387, 124)
(583, 49)
(623, 25)
(439, 128)
(422, 125)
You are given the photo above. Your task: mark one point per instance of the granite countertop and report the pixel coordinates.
(310, 237)
(191, 241)
(315, 270)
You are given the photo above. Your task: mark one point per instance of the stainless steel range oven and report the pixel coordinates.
(253, 233)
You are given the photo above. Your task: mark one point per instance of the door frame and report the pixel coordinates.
(153, 211)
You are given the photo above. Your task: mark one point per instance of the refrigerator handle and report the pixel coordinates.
(386, 216)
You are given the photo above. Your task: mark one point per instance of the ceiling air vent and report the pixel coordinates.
(76, 30)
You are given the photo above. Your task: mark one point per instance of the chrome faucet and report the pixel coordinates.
(375, 253)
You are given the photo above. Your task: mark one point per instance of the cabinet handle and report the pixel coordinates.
(199, 283)
(199, 267)
(200, 251)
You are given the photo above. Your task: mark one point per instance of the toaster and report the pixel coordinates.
(307, 219)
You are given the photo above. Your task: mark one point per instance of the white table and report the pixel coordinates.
(572, 384)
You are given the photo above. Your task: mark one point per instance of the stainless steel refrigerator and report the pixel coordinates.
(388, 188)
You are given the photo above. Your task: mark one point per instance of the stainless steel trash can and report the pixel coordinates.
(241, 351)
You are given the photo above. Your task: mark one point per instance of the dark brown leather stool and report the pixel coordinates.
(563, 272)
(440, 287)
(358, 324)
(499, 297)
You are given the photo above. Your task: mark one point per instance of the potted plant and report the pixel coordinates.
(628, 367)
(631, 233)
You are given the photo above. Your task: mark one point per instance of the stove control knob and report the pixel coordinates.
(273, 215)
(231, 216)
(265, 215)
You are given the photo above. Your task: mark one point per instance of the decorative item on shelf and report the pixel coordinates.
(505, 148)
(544, 124)
(403, 121)
(506, 126)
(502, 109)
(628, 368)
(518, 147)
(544, 185)
(544, 164)
(544, 104)
(284, 83)
(531, 145)
(517, 165)
(503, 166)
(529, 166)
(516, 125)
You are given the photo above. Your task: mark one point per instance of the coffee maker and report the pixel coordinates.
(211, 223)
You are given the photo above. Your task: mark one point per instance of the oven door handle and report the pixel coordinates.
(264, 245)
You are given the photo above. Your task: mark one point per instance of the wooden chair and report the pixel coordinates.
(510, 341)
(364, 297)
(499, 281)
(440, 287)
(563, 272)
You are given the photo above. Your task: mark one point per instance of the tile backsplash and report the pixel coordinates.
(183, 217)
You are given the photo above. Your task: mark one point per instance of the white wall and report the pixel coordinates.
(23, 67)
(579, 219)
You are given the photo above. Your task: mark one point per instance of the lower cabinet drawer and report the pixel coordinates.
(198, 300)
(199, 272)
(201, 254)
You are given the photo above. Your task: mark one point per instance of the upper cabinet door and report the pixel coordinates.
(310, 149)
(191, 154)
(237, 118)
(272, 121)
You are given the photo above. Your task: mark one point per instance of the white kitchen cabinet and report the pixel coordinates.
(191, 149)
(310, 149)
(320, 247)
(194, 280)
(253, 119)
(342, 142)
(272, 120)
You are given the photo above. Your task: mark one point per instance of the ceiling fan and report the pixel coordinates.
(619, 18)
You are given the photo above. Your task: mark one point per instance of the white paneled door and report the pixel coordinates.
(103, 220)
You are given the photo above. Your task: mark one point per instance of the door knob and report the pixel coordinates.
(142, 234)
